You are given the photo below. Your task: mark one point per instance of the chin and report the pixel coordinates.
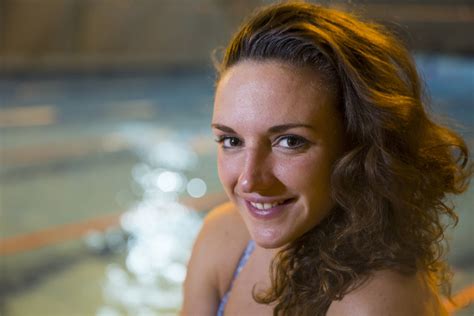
(269, 238)
(269, 245)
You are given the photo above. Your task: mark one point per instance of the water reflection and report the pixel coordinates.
(160, 230)
(196, 187)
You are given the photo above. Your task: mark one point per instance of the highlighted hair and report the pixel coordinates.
(390, 185)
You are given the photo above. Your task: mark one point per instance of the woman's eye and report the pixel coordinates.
(228, 141)
(288, 142)
(292, 141)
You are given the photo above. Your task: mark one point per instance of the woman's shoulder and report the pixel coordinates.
(389, 292)
(224, 219)
(225, 228)
(227, 237)
(217, 249)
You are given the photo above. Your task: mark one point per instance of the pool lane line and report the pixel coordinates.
(64, 150)
(76, 230)
(26, 116)
(57, 234)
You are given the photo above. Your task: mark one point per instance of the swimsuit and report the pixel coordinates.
(243, 260)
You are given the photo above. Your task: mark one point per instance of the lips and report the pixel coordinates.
(268, 210)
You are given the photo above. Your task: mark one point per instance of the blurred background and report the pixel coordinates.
(107, 159)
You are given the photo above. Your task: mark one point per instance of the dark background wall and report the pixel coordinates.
(153, 34)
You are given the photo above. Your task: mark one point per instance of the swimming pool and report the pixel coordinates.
(105, 179)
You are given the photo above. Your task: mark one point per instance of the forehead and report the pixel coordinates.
(271, 91)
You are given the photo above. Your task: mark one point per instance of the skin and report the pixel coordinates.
(253, 162)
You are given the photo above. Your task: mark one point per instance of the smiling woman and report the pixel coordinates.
(273, 119)
(335, 173)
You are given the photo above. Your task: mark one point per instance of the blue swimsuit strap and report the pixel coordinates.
(243, 260)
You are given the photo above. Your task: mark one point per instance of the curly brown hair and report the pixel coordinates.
(390, 185)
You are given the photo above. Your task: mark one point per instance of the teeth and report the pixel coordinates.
(265, 206)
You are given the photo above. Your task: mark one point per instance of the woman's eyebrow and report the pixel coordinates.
(284, 127)
(223, 128)
(272, 130)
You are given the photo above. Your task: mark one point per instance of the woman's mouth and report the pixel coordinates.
(267, 210)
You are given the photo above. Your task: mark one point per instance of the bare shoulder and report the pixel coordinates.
(225, 231)
(391, 293)
(216, 251)
(225, 219)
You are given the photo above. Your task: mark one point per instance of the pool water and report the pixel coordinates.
(105, 179)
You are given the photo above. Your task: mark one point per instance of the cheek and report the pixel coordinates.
(227, 170)
(318, 187)
(310, 175)
(319, 175)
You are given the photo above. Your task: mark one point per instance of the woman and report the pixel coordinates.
(336, 175)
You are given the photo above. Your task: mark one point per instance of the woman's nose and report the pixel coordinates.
(256, 173)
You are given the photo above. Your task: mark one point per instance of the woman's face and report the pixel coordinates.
(279, 134)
